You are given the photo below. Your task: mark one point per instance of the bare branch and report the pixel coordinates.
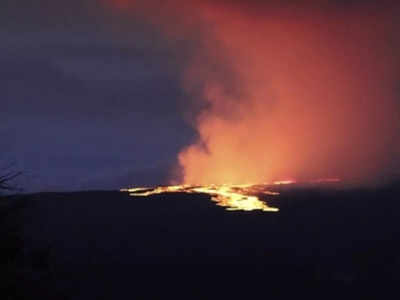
(6, 179)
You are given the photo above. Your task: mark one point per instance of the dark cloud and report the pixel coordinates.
(88, 100)
(17, 14)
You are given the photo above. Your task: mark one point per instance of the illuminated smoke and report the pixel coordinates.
(289, 92)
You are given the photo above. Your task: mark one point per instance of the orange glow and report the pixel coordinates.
(284, 182)
(325, 180)
(314, 101)
(300, 92)
(232, 197)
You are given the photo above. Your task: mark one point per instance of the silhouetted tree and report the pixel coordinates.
(20, 266)
(6, 180)
(11, 243)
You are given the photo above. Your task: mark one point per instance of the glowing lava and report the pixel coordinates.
(245, 197)
(232, 197)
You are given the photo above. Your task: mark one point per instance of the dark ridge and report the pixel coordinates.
(108, 245)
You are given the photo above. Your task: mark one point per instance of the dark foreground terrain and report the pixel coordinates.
(324, 243)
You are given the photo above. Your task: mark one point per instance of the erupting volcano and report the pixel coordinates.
(280, 91)
(199, 149)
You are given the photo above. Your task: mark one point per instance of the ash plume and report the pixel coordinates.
(287, 89)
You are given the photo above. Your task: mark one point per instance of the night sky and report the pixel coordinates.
(90, 100)
(92, 97)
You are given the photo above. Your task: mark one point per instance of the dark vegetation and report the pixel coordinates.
(324, 244)
(23, 271)
(6, 179)
(11, 242)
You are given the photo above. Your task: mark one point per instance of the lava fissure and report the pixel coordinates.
(232, 197)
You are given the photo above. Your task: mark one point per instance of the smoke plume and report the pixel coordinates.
(287, 91)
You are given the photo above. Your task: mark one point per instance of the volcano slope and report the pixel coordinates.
(107, 245)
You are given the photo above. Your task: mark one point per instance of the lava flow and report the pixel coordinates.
(245, 197)
(232, 197)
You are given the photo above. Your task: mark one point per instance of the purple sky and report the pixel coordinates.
(89, 100)
(92, 99)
